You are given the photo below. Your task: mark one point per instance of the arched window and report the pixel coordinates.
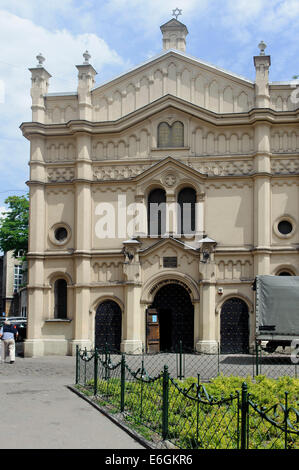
(170, 136)
(60, 298)
(156, 212)
(285, 273)
(186, 215)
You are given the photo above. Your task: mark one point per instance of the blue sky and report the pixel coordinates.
(120, 34)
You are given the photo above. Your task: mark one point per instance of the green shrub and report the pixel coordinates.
(194, 424)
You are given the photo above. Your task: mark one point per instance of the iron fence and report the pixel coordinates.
(183, 412)
(184, 363)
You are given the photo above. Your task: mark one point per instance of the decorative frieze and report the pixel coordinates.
(60, 191)
(107, 271)
(229, 185)
(234, 269)
(59, 151)
(119, 172)
(285, 141)
(61, 175)
(222, 168)
(287, 166)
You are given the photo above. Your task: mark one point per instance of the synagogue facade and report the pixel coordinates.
(215, 155)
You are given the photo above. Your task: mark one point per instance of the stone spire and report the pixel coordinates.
(174, 34)
(262, 64)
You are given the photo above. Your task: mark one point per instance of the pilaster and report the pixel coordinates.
(262, 199)
(132, 321)
(207, 342)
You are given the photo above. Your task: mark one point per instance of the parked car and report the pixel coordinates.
(20, 323)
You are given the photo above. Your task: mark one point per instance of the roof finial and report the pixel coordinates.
(86, 56)
(262, 46)
(40, 59)
(177, 12)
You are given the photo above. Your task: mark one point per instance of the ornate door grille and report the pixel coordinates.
(234, 327)
(108, 326)
(176, 317)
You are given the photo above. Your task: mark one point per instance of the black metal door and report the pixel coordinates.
(234, 327)
(108, 326)
(176, 317)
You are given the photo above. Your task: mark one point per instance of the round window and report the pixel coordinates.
(285, 227)
(60, 234)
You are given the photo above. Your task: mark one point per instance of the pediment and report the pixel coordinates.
(169, 247)
(173, 23)
(170, 174)
(177, 74)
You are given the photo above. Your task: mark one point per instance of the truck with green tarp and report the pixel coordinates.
(277, 310)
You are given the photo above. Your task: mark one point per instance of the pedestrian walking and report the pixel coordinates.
(8, 333)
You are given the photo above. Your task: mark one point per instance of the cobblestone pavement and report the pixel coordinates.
(38, 411)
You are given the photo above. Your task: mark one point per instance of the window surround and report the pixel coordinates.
(53, 230)
(286, 218)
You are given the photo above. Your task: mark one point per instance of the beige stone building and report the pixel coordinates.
(13, 294)
(178, 131)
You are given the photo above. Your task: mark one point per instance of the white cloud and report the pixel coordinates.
(21, 41)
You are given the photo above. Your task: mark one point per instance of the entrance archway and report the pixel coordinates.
(234, 327)
(108, 326)
(175, 313)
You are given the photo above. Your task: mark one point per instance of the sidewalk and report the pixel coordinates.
(39, 412)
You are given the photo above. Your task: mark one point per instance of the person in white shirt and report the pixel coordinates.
(8, 333)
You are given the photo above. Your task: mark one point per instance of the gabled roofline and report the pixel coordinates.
(166, 240)
(173, 24)
(180, 54)
(165, 161)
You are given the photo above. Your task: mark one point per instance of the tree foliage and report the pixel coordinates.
(14, 225)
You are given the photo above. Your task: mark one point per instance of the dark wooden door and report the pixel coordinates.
(176, 317)
(234, 327)
(108, 326)
(152, 331)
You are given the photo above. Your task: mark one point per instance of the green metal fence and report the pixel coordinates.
(188, 417)
(182, 363)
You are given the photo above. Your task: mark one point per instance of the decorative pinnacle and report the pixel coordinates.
(262, 46)
(40, 59)
(86, 56)
(177, 12)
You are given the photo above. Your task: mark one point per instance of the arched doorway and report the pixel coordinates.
(176, 317)
(108, 326)
(234, 327)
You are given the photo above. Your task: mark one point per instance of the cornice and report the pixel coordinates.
(73, 127)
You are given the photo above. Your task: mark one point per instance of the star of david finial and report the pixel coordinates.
(177, 12)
